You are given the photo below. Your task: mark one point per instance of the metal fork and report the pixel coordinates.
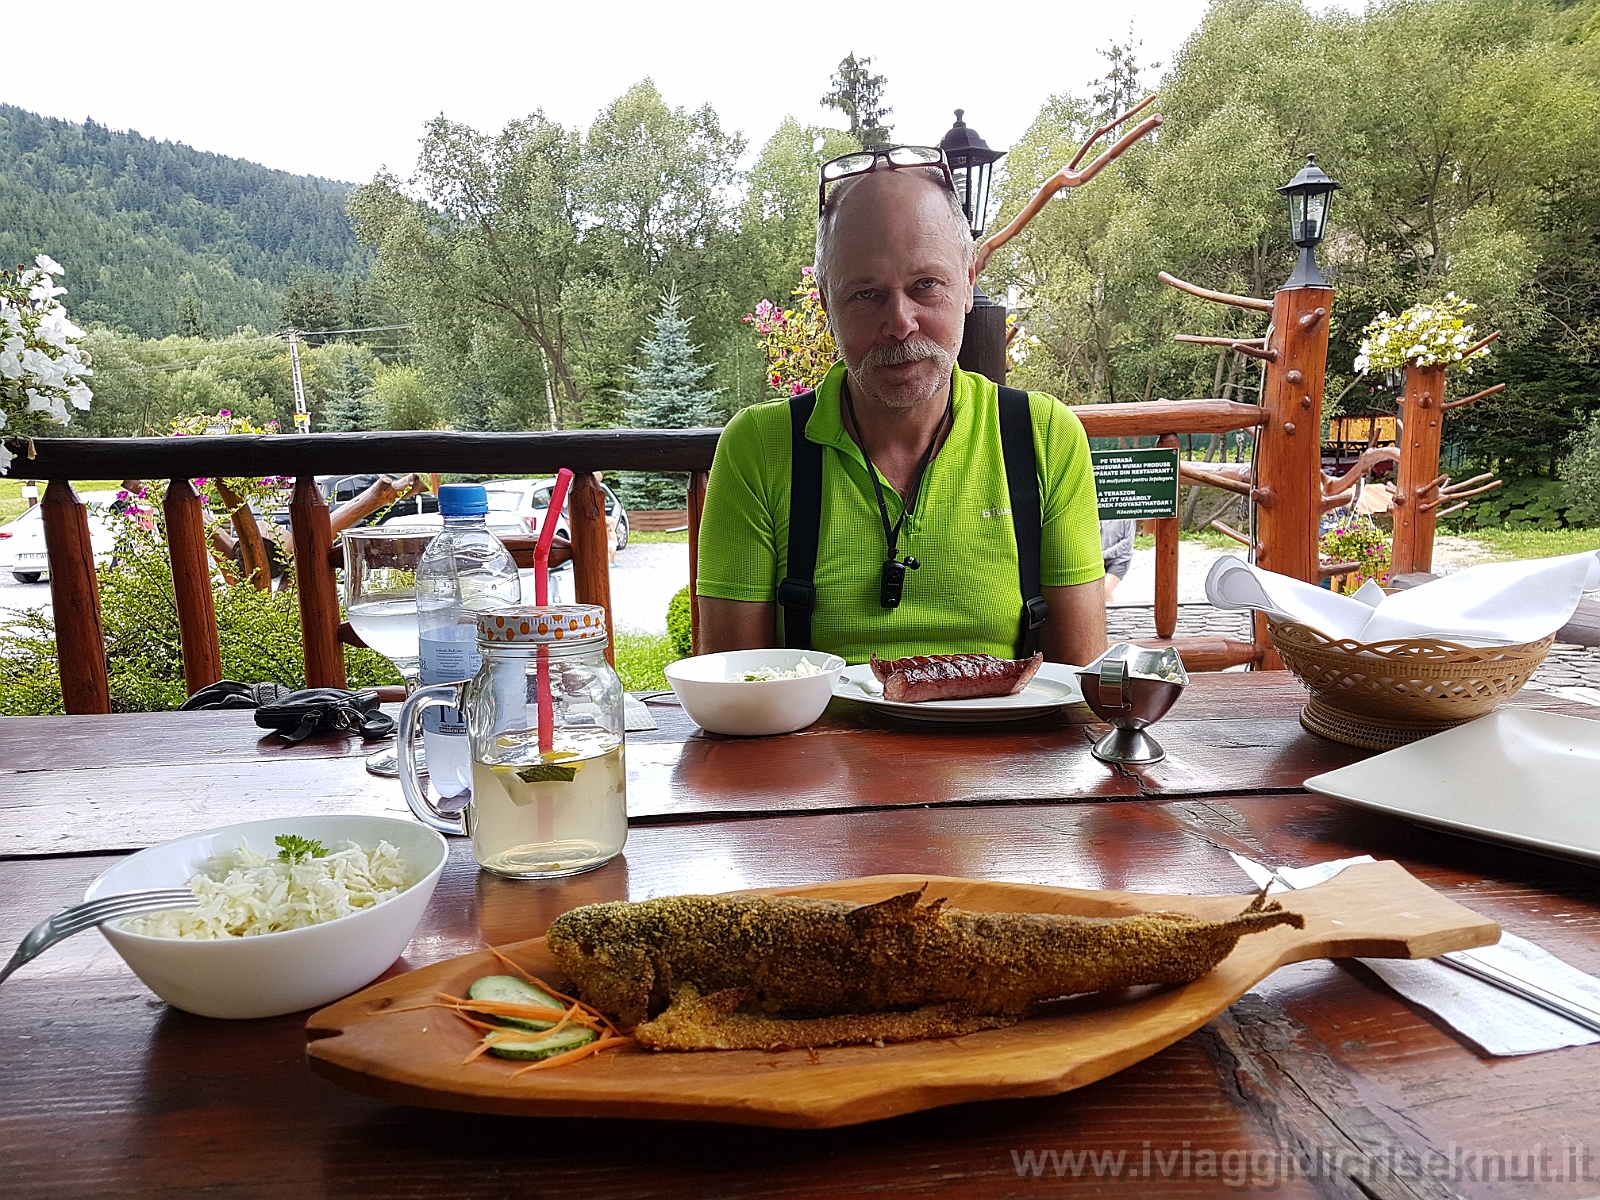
(92, 912)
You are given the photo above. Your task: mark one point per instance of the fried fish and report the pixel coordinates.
(772, 971)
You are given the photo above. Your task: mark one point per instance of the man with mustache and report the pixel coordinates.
(902, 457)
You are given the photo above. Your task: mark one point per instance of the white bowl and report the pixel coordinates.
(712, 692)
(274, 973)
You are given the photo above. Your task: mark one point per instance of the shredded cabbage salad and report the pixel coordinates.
(243, 894)
(803, 669)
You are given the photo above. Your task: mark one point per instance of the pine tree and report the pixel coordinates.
(667, 397)
(347, 410)
(858, 94)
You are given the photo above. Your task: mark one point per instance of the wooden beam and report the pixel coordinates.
(1151, 418)
(75, 600)
(1421, 420)
(1194, 289)
(590, 569)
(368, 453)
(1207, 654)
(1166, 532)
(697, 505)
(1289, 449)
(315, 584)
(1488, 391)
(1207, 340)
(188, 549)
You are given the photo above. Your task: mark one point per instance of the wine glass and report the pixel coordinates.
(380, 598)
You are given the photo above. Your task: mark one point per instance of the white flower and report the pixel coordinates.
(45, 263)
(5, 459)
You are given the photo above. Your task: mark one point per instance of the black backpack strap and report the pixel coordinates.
(1022, 481)
(797, 594)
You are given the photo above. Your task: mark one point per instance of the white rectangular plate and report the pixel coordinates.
(1520, 776)
(1053, 686)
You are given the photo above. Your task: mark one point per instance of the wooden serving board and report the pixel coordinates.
(1371, 910)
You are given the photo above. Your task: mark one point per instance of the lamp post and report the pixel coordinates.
(1308, 194)
(1289, 454)
(983, 343)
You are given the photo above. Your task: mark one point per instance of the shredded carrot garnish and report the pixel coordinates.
(561, 1060)
(470, 1011)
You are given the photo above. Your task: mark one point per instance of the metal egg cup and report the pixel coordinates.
(1131, 688)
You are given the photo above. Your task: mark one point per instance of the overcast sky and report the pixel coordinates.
(341, 88)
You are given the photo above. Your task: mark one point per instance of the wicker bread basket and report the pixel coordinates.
(1380, 695)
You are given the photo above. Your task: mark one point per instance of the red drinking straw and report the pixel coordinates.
(541, 597)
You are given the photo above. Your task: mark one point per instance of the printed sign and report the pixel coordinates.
(1136, 484)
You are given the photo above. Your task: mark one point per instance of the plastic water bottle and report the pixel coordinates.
(464, 571)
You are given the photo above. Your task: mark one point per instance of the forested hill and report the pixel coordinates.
(160, 238)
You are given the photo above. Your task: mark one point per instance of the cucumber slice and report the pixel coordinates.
(508, 989)
(569, 1038)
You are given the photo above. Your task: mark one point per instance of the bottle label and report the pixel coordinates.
(447, 655)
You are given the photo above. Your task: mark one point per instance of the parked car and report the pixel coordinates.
(519, 508)
(22, 548)
(336, 489)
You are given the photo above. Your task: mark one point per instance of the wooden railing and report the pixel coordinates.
(75, 594)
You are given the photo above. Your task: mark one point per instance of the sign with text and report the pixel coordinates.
(1136, 485)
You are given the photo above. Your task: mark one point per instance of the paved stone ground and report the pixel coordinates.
(1566, 666)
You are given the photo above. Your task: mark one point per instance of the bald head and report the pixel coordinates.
(895, 271)
(916, 195)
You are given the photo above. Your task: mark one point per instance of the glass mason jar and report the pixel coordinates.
(545, 725)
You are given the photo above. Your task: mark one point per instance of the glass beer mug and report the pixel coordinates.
(541, 806)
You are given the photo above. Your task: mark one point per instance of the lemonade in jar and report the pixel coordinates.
(545, 722)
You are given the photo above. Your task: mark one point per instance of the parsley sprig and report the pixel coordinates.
(292, 849)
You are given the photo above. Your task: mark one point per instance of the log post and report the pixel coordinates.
(591, 572)
(191, 585)
(983, 340)
(1289, 461)
(316, 585)
(253, 560)
(697, 504)
(1421, 421)
(1289, 456)
(75, 598)
(1166, 532)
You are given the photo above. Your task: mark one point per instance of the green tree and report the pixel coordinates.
(1460, 130)
(856, 92)
(404, 400)
(142, 224)
(1581, 471)
(345, 410)
(667, 395)
(1119, 89)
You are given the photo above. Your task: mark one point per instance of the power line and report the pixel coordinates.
(331, 332)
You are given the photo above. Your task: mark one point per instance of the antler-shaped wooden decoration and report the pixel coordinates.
(1443, 491)
(1070, 177)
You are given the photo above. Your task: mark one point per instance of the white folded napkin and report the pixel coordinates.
(636, 717)
(1497, 1021)
(1494, 604)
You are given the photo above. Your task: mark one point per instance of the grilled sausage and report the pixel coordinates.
(953, 676)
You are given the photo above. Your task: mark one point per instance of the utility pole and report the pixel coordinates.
(302, 418)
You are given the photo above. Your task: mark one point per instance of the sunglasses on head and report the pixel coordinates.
(867, 161)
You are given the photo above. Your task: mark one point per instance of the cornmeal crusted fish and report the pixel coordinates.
(790, 957)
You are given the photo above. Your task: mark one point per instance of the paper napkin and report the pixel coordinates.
(1497, 1021)
(1494, 604)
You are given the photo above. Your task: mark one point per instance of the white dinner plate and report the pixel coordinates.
(1053, 686)
(1519, 776)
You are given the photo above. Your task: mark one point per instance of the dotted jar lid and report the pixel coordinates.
(529, 624)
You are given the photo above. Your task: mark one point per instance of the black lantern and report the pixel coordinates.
(1309, 193)
(971, 162)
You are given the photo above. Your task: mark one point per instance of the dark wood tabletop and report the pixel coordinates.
(105, 1090)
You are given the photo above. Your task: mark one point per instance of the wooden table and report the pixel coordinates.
(103, 1089)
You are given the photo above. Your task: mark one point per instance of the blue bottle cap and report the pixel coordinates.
(463, 500)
